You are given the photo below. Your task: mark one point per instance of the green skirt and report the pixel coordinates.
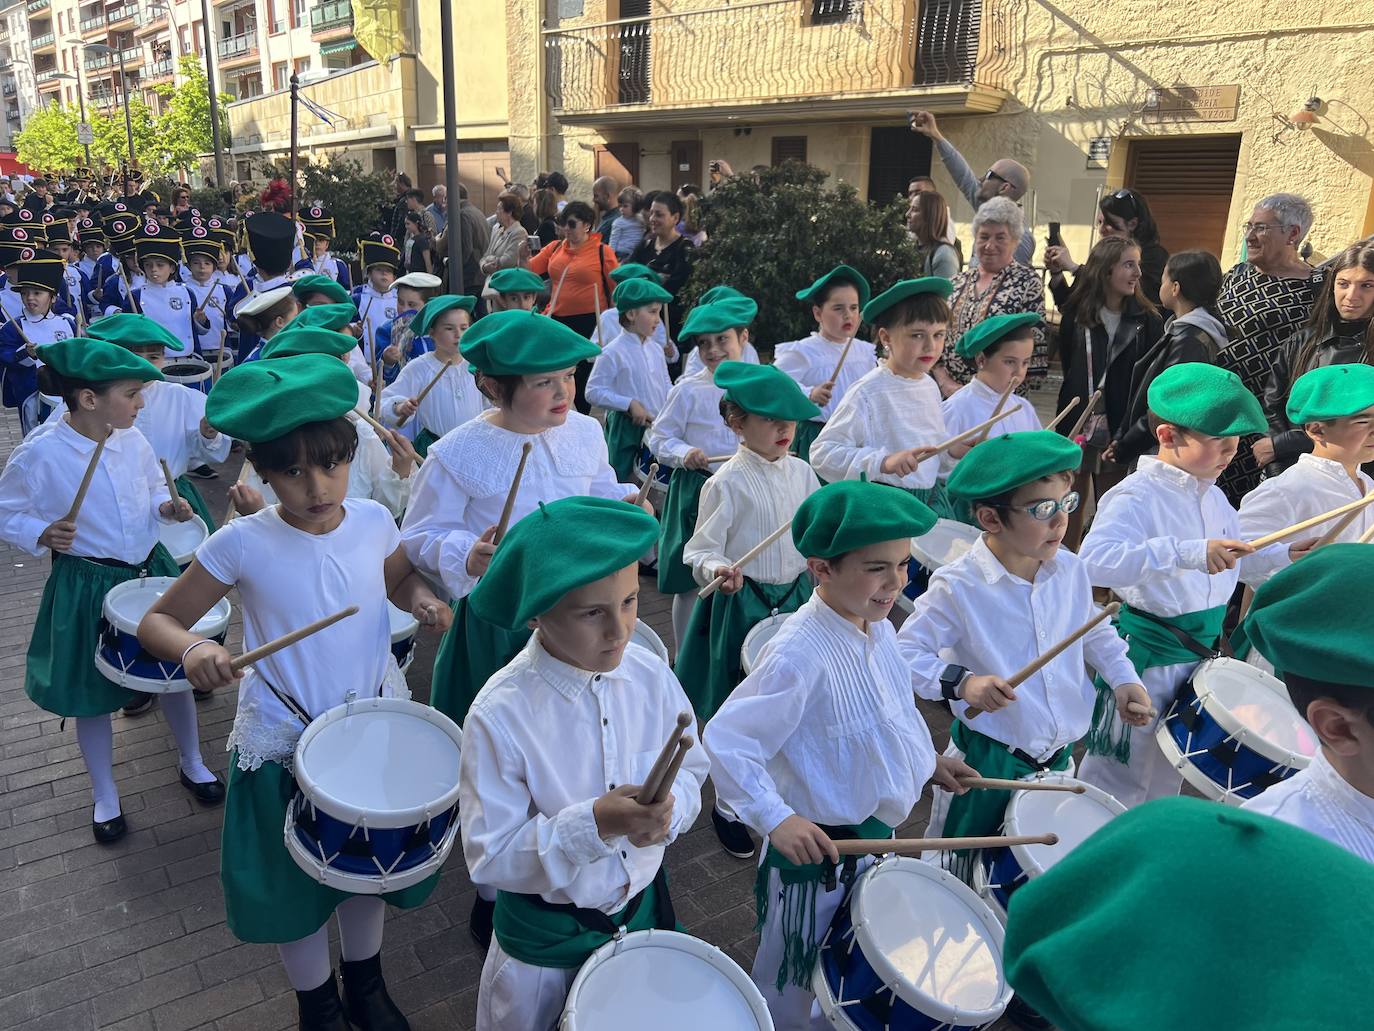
(937, 499)
(708, 661)
(188, 491)
(423, 440)
(469, 653)
(807, 432)
(60, 675)
(623, 441)
(676, 526)
(267, 896)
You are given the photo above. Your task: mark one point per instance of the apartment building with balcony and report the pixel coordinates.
(18, 95)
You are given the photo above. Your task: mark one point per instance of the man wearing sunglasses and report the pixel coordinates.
(1006, 178)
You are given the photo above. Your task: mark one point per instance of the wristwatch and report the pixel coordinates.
(950, 680)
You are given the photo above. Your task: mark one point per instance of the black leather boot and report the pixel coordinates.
(365, 999)
(320, 1008)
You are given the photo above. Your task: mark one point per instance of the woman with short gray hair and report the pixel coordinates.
(995, 284)
(1264, 300)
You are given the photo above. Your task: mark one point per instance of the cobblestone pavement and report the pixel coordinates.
(132, 936)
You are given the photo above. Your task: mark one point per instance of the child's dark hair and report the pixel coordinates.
(1015, 336)
(1154, 422)
(257, 323)
(927, 308)
(729, 411)
(424, 293)
(1304, 692)
(499, 390)
(314, 443)
(819, 301)
(54, 384)
(1198, 275)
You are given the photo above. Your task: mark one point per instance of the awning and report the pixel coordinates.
(340, 47)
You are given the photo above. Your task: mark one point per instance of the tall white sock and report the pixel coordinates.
(360, 926)
(307, 959)
(95, 737)
(682, 612)
(180, 709)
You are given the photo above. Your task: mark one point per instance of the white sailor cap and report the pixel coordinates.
(260, 302)
(419, 281)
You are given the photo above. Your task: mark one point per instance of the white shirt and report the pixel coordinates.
(631, 368)
(12, 304)
(169, 305)
(527, 807)
(611, 328)
(119, 518)
(979, 615)
(812, 360)
(825, 726)
(1148, 542)
(49, 329)
(328, 265)
(212, 299)
(461, 489)
(370, 476)
(454, 400)
(376, 310)
(690, 418)
(747, 499)
(1320, 800)
(694, 364)
(882, 413)
(974, 403)
(1310, 487)
(287, 578)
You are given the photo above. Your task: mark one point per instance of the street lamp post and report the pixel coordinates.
(101, 48)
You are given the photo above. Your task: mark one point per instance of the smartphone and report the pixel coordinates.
(534, 243)
(1055, 240)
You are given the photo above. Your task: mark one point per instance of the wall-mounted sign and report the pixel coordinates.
(1099, 150)
(1192, 104)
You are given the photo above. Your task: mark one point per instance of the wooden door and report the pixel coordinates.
(686, 163)
(620, 161)
(1188, 181)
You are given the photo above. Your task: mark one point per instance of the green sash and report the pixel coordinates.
(470, 652)
(1149, 645)
(623, 441)
(807, 432)
(545, 937)
(423, 441)
(801, 883)
(676, 526)
(192, 497)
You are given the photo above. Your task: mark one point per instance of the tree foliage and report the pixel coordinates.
(111, 144)
(48, 139)
(355, 198)
(773, 232)
(184, 127)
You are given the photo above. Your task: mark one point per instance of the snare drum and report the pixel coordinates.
(376, 806)
(189, 370)
(1075, 818)
(666, 981)
(404, 627)
(118, 655)
(946, 541)
(643, 634)
(751, 653)
(658, 490)
(1232, 732)
(914, 948)
(222, 360)
(182, 539)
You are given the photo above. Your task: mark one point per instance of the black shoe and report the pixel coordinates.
(140, 703)
(479, 923)
(203, 472)
(209, 793)
(1020, 1013)
(734, 836)
(110, 831)
(320, 1008)
(365, 999)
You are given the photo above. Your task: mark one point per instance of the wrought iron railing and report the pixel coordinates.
(332, 15)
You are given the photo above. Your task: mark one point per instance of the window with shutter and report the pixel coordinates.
(830, 12)
(1188, 181)
(789, 148)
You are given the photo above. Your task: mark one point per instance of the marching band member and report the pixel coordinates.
(455, 398)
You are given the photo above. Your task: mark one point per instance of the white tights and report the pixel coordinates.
(360, 937)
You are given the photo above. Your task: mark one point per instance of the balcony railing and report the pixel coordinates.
(96, 60)
(108, 99)
(121, 14)
(757, 52)
(160, 69)
(133, 55)
(336, 14)
(42, 75)
(45, 39)
(237, 46)
(93, 23)
(39, 5)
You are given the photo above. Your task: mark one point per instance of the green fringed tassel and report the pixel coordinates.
(1107, 735)
(801, 937)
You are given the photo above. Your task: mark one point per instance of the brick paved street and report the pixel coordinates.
(132, 937)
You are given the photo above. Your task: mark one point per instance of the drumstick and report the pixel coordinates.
(840, 364)
(553, 299)
(1082, 419)
(272, 647)
(665, 786)
(1367, 536)
(1073, 403)
(80, 498)
(382, 432)
(1001, 403)
(510, 495)
(998, 784)
(649, 479)
(171, 483)
(654, 778)
(1307, 524)
(596, 300)
(720, 458)
(243, 478)
(428, 387)
(377, 380)
(954, 441)
(208, 294)
(219, 358)
(1330, 536)
(904, 846)
(749, 556)
(1032, 668)
(128, 290)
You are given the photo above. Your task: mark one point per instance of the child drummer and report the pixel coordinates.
(454, 399)
(112, 539)
(999, 349)
(38, 279)
(559, 830)
(823, 739)
(314, 553)
(750, 497)
(1169, 543)
(519, 288)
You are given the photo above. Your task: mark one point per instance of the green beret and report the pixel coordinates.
(436, 306)
(1292, 623)
(838, 274)
(264, 400)
(1169, 917)
(519, 343)
(705, 318)
(325, 316)
(557, 548)
(130, 330)
(317, 284)
(851, 514)
(639, 293)
(98, 361)
(899, 292)
(1001, 464)
(519, 281)
(309, 340)
(989, 331)
(719, 293)
(633, 270)
(1331, 392)
(764, 390)
(739, 310)
(1205, 398)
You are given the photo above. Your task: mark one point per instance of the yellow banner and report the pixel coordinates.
(379, 28)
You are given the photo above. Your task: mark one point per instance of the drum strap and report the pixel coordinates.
(292, 706)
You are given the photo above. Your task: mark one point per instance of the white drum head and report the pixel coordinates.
(932, 940)
(946, 541)
(182, 539)
(127, 604)
(389, 762)
(643, 634)
(1075, 818)
(751, 653)
(665, 981)
(403, 624)
(1246, 699)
